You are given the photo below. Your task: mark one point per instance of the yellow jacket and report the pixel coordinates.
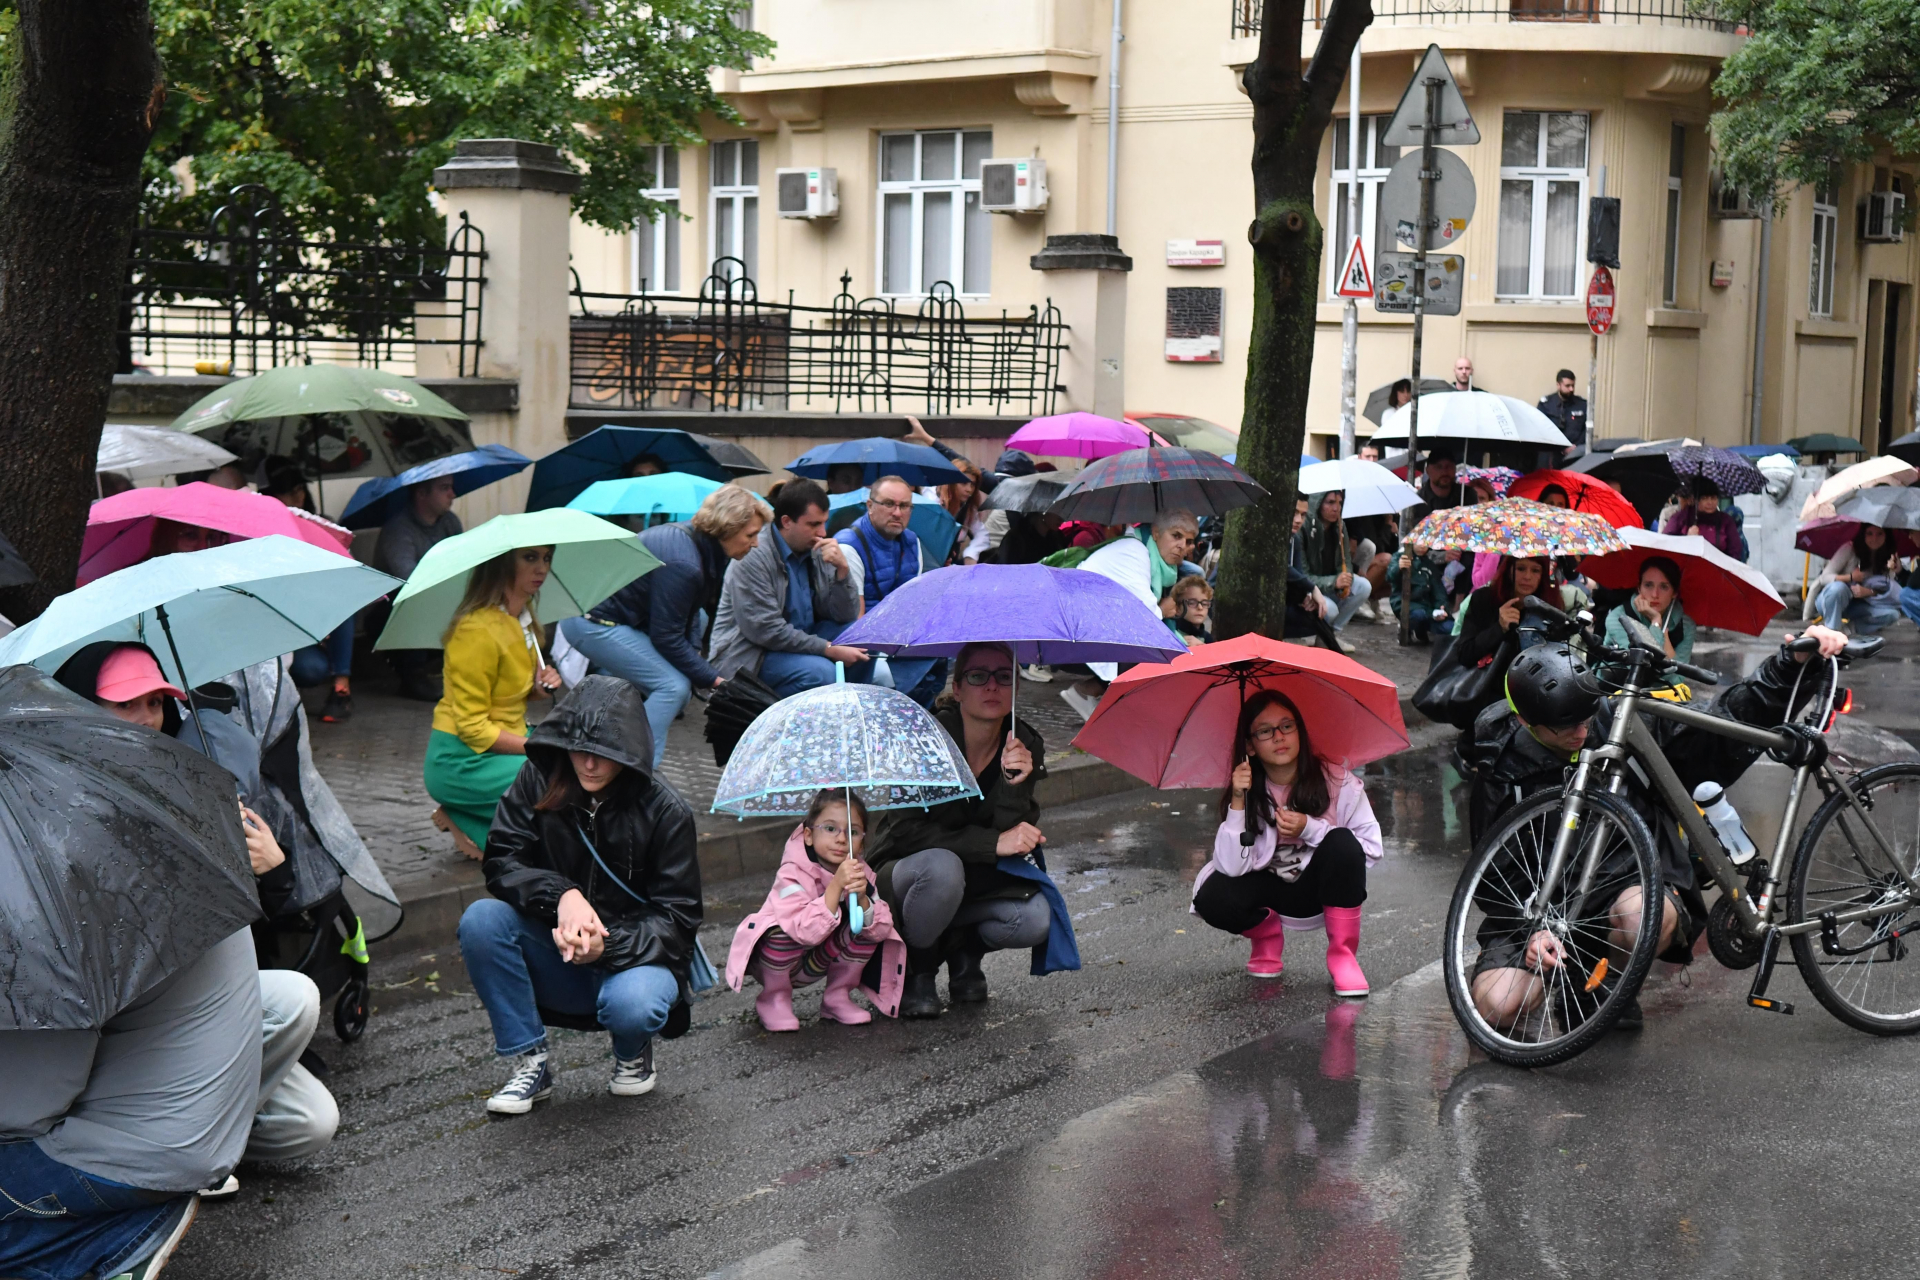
(488, 675)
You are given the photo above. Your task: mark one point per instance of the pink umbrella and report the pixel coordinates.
(1078, 435)
(120, 528)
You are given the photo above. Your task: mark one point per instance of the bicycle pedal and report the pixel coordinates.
(1757, 997)
(1770, 1005)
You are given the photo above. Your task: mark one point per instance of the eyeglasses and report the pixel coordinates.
(833, 830)
(885, 505)
(1202, 605)
(1267, 732)
(978, 677)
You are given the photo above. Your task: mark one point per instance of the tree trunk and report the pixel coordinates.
(1290, 116)
(80, 91)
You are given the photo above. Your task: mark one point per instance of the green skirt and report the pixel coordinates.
(468, 783)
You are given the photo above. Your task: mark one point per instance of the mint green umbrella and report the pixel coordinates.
(592, 559)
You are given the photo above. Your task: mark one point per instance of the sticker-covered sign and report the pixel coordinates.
(1196, 253)
(1600, 299)
(1394, 277)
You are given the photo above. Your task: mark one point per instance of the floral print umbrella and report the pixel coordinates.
(1501, 478)
(1517, 527)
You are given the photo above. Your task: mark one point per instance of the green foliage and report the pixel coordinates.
(342, 108)
(1819, 82)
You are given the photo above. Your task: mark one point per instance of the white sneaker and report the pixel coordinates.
(1366, 610)
(1080, 702)
(531, 1082)
(633, 1076)
(1037, 673)
(151, 1265)
(228, 1188)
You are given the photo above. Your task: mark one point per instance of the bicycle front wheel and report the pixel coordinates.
(1863, 971)
(1607, 932)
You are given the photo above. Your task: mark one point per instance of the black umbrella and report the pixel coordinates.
(1030, 494)
(735, 704)
(1907, 448)
(1376, 406)
(1140, 484)
(121, 858)
(738, 459)
(14, 571)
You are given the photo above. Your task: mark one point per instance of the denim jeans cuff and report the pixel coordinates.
(528, 1047)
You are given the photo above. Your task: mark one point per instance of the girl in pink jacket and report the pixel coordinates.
(1296, 838)
(807, 930)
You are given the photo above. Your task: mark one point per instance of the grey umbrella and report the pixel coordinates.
(1376, 406)
(1887, 505)
(1030, 494)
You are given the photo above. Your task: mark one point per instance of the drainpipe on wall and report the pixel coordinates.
(1113, 125)
(1760, 319)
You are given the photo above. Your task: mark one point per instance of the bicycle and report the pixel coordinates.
(1573, 874)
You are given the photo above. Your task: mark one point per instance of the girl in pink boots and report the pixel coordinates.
(822, 918)
(1296, 838)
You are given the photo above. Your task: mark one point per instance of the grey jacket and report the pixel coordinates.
(753, 607)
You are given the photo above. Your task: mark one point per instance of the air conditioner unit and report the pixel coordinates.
(1013, 186)
(1731, 203)
(807, 193)
(1880, 215)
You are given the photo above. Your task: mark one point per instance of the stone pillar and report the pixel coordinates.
(1088, 282)
(517, 193)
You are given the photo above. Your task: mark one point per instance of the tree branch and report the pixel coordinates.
(1275, 73)
(1328, 70)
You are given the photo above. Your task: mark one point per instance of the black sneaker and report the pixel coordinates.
(966, 981)
(921, 999)
(339, 708)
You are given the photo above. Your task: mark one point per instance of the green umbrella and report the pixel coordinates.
(592, 559)
(331, 420)
(1827, 442)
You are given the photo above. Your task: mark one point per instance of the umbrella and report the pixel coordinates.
(877, 456)
(1583, 494)
(1473, 415)
(121, 858)
(378, 501)
(1732, 473)
(1371, 489)
(1173, 725)
(1078, 435)
(736, 459)
(141, 452)
(1715, 589)
(1755, 452)
(674, 493)
(930, 521)
(331, 420)
(1376, 406)
(1907, 447)
(605, 453)
(1026, 494)
(1825, 536)
(1827, 442)
(875, 741)
(120, 528)
(1139, 484)
(1884, 470)
(14, 570)
(1517, 527)
(592, 559)
(1500, 479)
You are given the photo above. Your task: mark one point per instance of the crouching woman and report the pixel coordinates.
(1295, 840)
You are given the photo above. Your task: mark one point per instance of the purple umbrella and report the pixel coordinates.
(1078, 435)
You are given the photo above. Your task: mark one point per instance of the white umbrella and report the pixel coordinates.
(1474, 415)
(141, 452)
(1371, 489)
(1861, 475)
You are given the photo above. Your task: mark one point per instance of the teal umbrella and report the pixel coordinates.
(672, 493)
(592, 559)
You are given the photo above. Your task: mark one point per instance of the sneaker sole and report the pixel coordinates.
(1352, 995)
(1256, 973)
(630, 1089)
(518, 1107)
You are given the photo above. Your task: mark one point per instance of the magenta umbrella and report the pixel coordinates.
(1078, 435)
(120, 528)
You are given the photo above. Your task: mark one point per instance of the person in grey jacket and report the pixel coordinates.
(780, 623)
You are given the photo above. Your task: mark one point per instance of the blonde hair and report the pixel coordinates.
(728, 510)
(1191, 584)
(487, 588)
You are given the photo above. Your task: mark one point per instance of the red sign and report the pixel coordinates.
(1600, 300)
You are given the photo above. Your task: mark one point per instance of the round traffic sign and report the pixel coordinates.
(1600, 298)
(1453, 200)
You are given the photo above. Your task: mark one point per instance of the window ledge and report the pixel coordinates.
(1825, 329)
(1669, 318)
(1554, 313)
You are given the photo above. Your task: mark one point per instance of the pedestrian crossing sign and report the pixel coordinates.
(1355, 280)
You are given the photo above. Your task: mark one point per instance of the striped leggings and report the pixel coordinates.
(776, 952)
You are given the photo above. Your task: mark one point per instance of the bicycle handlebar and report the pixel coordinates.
(1635, 652)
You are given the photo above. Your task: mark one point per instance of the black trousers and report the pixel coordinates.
(1336, 877)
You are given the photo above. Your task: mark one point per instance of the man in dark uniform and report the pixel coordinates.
(1568, 411)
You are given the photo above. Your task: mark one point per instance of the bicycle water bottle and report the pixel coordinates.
(1725, 819)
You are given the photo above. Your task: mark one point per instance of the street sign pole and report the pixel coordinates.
(1350, 317)
(1421, 234)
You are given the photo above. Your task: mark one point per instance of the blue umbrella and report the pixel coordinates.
(378, 501)
(931, 523)
(605, 453)
(675, 494)
(878, 456)
(1763, 450)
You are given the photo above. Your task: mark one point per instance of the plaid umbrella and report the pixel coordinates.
(1517, 527)
(1733, 473)
(1140, 484)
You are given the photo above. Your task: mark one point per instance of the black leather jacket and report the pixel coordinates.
(642, 828)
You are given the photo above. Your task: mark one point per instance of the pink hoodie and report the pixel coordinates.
(796, 905)
(1350, 809)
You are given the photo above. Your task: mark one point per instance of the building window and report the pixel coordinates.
(1676, 166)
(1543, 188)
(1376, 158)
(932, 228)
(734, 190)
(656, 244)
(1826, 230)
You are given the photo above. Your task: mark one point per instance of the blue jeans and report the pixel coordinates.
(1836, 601)
(517, 971)
(1909, 598)
(629, 653)
(791, 673)
(1357, 593)
(316, 664)
(57, 1222)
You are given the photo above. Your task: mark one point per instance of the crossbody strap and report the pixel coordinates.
(602, 862)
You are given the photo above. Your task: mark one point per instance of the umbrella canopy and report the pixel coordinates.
(1078, 435)
(1173, 725)
(1138, 485)
(1884, 470)
(1757, 451)
(1028, 494)
(930, 521)
(737, 459)
(1473, 415)
(378, 501)
(120, 528)
(674, 493)
(1907, 447)
(331, 420)
(14, 570)
(1827, 442)
(1715, 589)
(1583, 494)
(227, 608)
(1517, 527)
(877, 456)
(605, 453)
(592, 559)
(1376, 406)
(875, 741)
(1499, 479)
(121, 858)
(1730, 472)
(141, 452)
(1825, 536)
(1371, 489)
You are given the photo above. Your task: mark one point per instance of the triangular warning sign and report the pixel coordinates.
(1455, 123)
(1355, 280)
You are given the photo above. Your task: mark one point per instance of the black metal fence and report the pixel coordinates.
(727, 350)
(1678, 13)
(245, 295)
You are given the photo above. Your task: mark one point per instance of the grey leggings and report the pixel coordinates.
(929, 886)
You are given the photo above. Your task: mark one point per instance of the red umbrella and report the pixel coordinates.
(1584, 493)
(120, 528)
(1172, 723)
(1715, 589)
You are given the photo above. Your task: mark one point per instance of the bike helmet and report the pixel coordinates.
(1549, 685)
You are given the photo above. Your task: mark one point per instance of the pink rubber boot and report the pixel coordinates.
(1343, 937)
(837, 1001)
(775, 1002)
(1269, 938)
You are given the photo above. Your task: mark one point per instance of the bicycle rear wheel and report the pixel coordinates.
(1534, 1018)
(1865, 971)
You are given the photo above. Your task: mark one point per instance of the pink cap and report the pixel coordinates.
(130, 672)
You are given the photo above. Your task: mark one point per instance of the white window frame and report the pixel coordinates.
(743, 202)
(1821, 252)
(961, 187)
(1540, 174)
(662, 239)
(1373, 175)
(1676, 201)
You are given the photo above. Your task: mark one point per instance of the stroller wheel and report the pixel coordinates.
(350, 1010)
